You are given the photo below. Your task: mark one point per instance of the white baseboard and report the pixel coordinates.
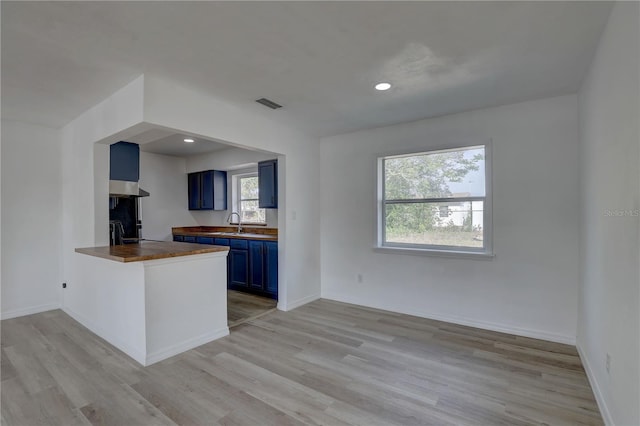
(14, 313)
(134, 353)
(283, 306)
(501, 328)
(185, 346)
(602, 405)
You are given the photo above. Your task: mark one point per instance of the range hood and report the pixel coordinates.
(124, 170)
(123, 188)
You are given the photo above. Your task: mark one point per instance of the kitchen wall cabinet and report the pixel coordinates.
(207, 190)
(124, 162)
(268, 184)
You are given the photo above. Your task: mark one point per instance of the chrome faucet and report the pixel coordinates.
(239, 220)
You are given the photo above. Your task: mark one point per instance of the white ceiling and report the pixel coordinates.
(165, 142)
(319, 60)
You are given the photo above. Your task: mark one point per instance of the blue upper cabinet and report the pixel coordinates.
(268, 184)
(124, 162)
(208, 190)
(194, 191)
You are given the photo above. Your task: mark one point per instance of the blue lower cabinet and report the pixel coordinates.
(238, 268)
(221, 242)
(271, 267)
(189, 239)
(178, 238)
(256, 265)
(204, 240)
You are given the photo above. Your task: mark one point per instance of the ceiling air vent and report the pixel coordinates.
(268, 103)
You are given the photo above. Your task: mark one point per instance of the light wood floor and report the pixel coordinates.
(243, 307)
(324, 363)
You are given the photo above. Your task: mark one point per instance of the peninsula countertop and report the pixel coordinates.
(149, 250)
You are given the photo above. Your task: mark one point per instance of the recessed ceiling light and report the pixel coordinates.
(383, 86)
(189, 140)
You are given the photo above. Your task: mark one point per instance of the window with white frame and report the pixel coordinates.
(247, 198)
(436, 201)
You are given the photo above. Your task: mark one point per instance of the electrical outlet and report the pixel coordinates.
(64, 285)
(608, 364)
(359, 278)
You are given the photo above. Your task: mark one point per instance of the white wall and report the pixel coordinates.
(234, 161)
(31, 218)
(530, 287)
(165, 178)
(85, 179)
(609, 308)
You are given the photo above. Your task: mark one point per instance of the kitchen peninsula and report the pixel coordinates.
(154, 299)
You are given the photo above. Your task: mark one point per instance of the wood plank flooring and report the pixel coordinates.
(324, 363)
(243, 307)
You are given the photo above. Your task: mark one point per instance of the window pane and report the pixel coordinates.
(249, 188)
(251, 213)
(444, 174)
(427, 223)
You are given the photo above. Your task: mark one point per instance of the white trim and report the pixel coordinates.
(14, 313)
(113, 340)
(283, 306)
(602, 405)
(185, 346)
(485, 325)
(437, 253)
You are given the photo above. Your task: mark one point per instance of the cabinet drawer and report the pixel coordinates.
(221, 242)
(205, 240)
(239, 244)
(189, 239)
(178, 238)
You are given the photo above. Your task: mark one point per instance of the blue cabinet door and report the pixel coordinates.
(206, 186)
(194, 191)
(204, 240)
(256, 265)
(238, 267)
(271, 267)
(221, 242)
(124, 162)
(219, 190)
(268, 184)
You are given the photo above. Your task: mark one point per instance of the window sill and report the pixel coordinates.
(435, 253)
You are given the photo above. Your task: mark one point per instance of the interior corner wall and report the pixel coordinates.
(530, 287)
(31, 218)
(165, 178)
(609, 318)
(170, 105)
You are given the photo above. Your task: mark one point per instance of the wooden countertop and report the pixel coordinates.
(149, 250)
(248, 233)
